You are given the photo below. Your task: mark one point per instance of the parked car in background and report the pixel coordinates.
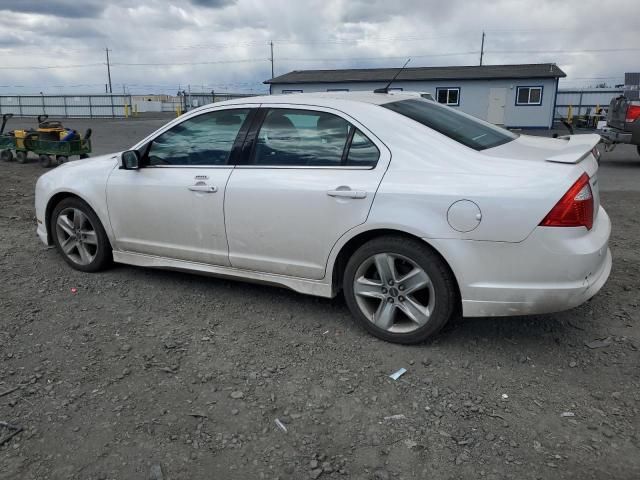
(623, 122)
(416, 211)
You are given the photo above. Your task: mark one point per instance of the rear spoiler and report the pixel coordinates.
(577, 149)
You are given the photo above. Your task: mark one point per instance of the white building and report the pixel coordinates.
(510, 95)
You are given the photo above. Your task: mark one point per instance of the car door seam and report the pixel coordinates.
(106, 201)
(255, 117)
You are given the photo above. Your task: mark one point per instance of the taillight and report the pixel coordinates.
(633, 112)
(575, 208)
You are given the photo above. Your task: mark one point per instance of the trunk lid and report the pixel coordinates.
(569, 149)
(574, 151)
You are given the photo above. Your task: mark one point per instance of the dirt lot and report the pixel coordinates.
(142, 368)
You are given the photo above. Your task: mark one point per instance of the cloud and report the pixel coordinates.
(56, 8)
(158, 45)
(212, 3)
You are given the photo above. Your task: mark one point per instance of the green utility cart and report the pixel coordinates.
(50, 140)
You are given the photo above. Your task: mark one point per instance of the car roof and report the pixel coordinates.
(329, 99)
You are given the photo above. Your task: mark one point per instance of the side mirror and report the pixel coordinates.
(130, 160)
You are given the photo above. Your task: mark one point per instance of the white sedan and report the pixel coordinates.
(415, 211)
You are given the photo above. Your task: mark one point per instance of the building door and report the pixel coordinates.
(497, 101)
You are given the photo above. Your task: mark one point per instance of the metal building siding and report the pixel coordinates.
(474, 96)
(65, 105)
(584, 100)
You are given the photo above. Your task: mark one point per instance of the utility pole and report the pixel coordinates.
(482, 49)
(271, 44)
(108, 69)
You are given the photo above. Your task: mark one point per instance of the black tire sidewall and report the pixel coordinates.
(439, 273)
(6, 155)
(103, 255)
(21, 157)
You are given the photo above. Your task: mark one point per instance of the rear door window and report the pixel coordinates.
(307, 138)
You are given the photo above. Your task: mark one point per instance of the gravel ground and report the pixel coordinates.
(155, 374)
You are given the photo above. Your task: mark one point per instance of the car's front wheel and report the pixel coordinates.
(399, 289)
(79, 236)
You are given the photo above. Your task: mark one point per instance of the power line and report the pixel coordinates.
(52, 67)
(595, 50)
(316, 59)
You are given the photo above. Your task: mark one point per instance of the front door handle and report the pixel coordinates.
(347, 193)
(203, 188)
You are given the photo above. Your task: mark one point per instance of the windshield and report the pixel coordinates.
(458, 126)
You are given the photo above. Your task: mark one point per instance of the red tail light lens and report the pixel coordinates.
(633, 112)
(575, 208)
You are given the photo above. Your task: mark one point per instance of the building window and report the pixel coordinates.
(529, 96)
(337, 89)
(291, 91)
(448, 96)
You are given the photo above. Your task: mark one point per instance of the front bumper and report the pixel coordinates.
(554, 269)
(42, 233)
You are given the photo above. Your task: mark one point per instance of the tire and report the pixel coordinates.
(6, 155)
(80, 220)
(21, 156)
(83, 156)
(45, 161)
(638, 149)
(430, 292)
(61, 159)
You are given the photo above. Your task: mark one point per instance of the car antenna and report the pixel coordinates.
(386, 88)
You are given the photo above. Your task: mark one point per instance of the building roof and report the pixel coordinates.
(476, 72)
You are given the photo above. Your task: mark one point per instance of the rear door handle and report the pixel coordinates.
(347, 193)
(203, 188)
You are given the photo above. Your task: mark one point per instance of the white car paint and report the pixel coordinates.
(281, 227)
(263, 203)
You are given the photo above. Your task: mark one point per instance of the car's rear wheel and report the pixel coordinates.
(79, 236)
(399, 289)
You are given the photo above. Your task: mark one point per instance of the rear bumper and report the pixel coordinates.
(629, 134)
(554, 269)
(613, 135)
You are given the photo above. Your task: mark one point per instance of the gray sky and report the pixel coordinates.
(158, 45)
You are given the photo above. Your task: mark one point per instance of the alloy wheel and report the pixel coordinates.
(77, 236)
(394, 292)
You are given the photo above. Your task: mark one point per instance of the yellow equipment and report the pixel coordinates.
(51, 138)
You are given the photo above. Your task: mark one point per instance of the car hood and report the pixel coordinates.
(89, 162)
(569, 149)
